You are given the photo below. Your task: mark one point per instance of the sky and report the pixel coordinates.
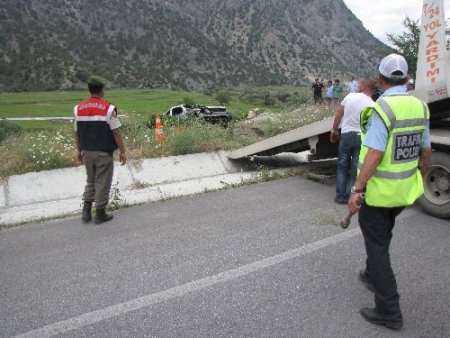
(385, 16)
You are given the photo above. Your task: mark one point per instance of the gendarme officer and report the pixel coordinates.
(97, 135)
(395, 136)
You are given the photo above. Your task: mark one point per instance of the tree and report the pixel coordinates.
(407, 43)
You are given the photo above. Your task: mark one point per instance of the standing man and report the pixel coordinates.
(347, 116)
(329, 92)
(338, 91)
(97, 135)
(317, 88)
(352, 85)
(395, 136)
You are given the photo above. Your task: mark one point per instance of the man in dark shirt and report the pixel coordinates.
(317, 88)
(97, 135)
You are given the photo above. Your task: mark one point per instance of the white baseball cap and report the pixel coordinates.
(393, 67)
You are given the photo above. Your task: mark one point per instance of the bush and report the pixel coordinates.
(223, 97)
(182, 143)
(269, 100)
(8, 128)
(283, 97)
(300, 98)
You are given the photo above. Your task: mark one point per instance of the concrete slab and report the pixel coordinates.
(180, 168)
(123, 177)
(184, 188)
(130, 196)
(56, 193)
(45, 186)
(40, 210)
(307, 133)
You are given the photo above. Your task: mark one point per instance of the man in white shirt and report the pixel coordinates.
(348, 116)
(352, 85)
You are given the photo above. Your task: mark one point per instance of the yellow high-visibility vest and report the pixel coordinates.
(397, 180)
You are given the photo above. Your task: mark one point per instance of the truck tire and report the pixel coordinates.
(436, 198)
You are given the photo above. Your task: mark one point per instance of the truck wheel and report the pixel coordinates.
(436, 198)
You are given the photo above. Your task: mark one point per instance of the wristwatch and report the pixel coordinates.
(353, 190)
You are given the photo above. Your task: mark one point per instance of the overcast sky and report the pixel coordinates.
(385, 16)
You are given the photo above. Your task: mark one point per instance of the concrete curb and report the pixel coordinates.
(57, 193)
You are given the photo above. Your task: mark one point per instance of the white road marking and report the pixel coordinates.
(85, 319)
(181, 290)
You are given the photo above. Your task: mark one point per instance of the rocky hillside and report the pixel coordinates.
(56, 44)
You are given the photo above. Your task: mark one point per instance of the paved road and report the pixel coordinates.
(265, 260)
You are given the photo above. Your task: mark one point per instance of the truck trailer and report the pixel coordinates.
(433, 87)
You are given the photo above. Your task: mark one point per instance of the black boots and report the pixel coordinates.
(392, 321)
(87, 212)
(101, 216)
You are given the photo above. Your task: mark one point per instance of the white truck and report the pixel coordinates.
(433, 87)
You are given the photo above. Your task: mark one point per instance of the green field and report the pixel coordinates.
(128, 101)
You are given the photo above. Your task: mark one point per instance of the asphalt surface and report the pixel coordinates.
(264, 260)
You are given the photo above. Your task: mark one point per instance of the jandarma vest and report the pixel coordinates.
(397, 180)
(92, 117)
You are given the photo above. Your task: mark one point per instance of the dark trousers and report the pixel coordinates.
(376, 226)
(99, 171)
(318, 97)
(347, 163)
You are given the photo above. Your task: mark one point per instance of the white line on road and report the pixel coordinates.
(85, 319)
(181, 290)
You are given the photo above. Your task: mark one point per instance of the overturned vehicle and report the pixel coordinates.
(212, 114)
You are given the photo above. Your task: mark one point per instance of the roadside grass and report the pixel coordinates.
(43, 146)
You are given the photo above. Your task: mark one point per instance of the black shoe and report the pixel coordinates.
(101, 216)
(366, 281)
(340, 200)
(87, 212)
(391, 321)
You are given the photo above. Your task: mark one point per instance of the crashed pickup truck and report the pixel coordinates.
(212, 114)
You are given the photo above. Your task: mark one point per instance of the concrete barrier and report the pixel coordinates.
(54, 193)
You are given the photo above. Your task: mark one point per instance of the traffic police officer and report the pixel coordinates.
(395, 136)
(97, 135)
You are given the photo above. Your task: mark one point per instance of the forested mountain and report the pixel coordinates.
(193, 44)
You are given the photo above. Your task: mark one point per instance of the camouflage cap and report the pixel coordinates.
(97, 81)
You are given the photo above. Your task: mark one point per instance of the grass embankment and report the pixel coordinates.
(43, 145)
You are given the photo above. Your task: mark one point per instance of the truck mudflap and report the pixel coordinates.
(436, 198)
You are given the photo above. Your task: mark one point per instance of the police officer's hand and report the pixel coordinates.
(354, 202)
(123, 158)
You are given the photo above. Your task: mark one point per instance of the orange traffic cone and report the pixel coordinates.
(159, 134)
